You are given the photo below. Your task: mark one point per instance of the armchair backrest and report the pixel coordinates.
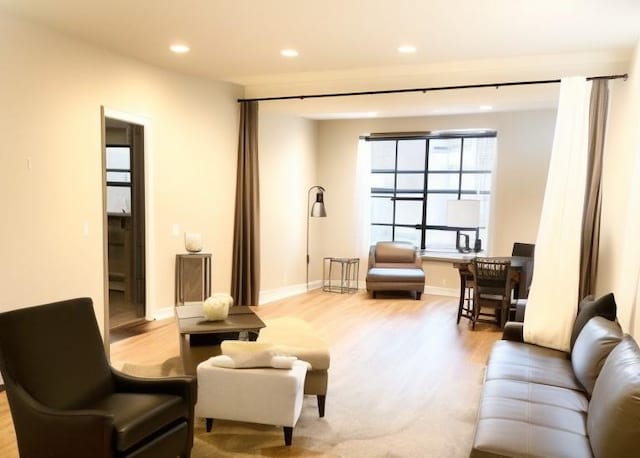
(394, 254)
(55, 353)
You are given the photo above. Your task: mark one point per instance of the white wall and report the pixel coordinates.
(619, 256)
(524, 146)
(287, 171)
(51, 90)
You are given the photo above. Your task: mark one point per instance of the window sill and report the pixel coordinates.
(449, 256)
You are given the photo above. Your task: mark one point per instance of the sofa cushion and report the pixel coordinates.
(389, 274)
(613, 421)
(536, 392)
(604, 306)
(531, 363)
(548, 416)
(594, 343)
(497, 437)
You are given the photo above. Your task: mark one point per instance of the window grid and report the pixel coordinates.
(399, 195)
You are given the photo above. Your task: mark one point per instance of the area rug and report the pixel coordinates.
(371, 411)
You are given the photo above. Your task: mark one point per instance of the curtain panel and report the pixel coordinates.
(553, 298)
(245, 273)
(593, 197)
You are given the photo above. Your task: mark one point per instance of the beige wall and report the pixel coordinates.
(524, 146)
(619, 256)
(51, 90)
(287, 171)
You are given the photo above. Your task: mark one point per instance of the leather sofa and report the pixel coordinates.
(395, 266)
(540, 402)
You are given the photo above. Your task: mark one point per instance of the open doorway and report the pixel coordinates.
(125, 207)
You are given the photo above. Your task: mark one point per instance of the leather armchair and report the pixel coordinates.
(66, 401)
(395, 266)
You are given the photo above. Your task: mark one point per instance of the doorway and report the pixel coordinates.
(125, 208)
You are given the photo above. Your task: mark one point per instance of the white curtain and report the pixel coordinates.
(553, 298)
(362, 204)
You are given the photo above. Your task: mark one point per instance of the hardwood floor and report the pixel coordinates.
(423, 331)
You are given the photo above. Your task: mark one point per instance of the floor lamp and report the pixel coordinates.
(317, 211)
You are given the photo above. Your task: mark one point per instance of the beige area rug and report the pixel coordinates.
(376, 406)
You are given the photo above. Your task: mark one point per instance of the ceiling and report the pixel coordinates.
(351, 45)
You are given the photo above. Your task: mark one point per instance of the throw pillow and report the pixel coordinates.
(596, 340)
(604, 306)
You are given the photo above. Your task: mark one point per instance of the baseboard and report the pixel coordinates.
(440, 291)
(276, 294)
(163, 313)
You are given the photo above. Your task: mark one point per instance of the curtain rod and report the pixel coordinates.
(425, 89)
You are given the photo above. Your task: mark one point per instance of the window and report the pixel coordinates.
(413, 178)
(118, 179)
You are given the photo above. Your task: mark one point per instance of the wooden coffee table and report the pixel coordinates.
(200, 339)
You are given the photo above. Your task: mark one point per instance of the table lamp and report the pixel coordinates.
(463, 214)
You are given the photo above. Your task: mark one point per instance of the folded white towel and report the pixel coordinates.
(255, 360)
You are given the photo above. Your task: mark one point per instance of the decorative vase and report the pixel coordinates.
(216, 307)
(192, 242)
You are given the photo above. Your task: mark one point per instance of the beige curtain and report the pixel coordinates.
(593, 197)
(245, 274)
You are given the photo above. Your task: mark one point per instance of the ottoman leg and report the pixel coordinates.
(288, 434)
(321, 401)
(209, 424)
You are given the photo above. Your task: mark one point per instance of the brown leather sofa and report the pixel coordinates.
(395, 266)
(540, 402)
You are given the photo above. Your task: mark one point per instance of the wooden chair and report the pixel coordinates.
(467, 286)
(492, 290)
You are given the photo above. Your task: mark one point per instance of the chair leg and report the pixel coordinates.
(373, 294)
(321, 401)
(209, 424)
(288, 435)
(418, 295)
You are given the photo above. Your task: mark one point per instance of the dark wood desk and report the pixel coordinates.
(200, 339)
(520, 274)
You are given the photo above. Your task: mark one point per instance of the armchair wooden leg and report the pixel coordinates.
(288, 435)
(321, 401)
(209, 424)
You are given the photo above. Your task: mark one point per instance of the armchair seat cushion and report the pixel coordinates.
(389, 274)
(136, 416)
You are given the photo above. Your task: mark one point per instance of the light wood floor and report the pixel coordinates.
(338, 317)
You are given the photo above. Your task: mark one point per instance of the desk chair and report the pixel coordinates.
(66, 401)
(526, 250)
(492, 290)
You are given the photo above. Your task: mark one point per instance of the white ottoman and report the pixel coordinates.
(256, 395)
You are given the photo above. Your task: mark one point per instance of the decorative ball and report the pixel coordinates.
(216, 307)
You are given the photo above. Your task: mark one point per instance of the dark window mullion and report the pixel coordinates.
(460, 170)
(395, 187)
(423, 231)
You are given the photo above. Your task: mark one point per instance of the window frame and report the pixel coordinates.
(423, 195)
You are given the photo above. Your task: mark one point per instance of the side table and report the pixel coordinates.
(349, 270)
(193, 277)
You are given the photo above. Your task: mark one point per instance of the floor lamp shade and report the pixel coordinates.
(317, 210)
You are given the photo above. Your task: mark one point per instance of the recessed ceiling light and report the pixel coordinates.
(179, 49)
(407, 49)
(485, 107)
(289, 53)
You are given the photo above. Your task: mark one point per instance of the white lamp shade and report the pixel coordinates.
(463, 213)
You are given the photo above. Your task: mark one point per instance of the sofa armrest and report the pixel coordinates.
(513, 331)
